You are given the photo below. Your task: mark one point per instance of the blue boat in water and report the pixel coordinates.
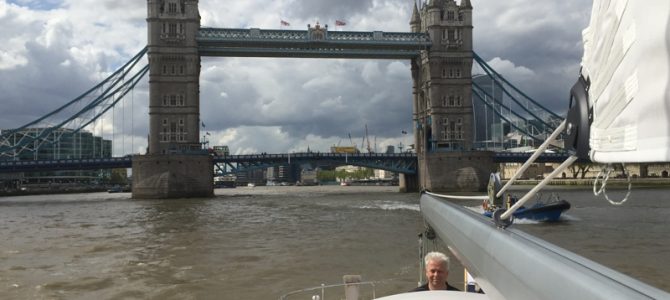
(540, 211)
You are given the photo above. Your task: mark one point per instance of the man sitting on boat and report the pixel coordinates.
(437, 270)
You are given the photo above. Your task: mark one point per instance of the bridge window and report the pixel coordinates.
(165, 121)
(450, 15)
(165, 137)
(455, 73)
(445, 128)
(459, 129)
(165, 69)
(459, 101)
(181, 100)
(172, 29)
(181, 69)
(460, 16)
(444, 73)
(172, 8)
(451, 34)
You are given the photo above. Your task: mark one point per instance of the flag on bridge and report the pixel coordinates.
(284, 23)
(340, 23)
(203, 124)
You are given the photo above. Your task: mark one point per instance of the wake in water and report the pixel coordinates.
(390, 205)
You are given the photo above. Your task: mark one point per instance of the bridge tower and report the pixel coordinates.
(442, 91)
(174, 165)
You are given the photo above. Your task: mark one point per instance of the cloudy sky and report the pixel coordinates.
(54, 50)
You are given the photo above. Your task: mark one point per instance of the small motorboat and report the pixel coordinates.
(115, 189)
(540, 211)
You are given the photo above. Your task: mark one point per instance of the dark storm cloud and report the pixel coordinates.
(544, 37)
(51, 79)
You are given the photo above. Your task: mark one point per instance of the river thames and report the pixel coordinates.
(263, 242)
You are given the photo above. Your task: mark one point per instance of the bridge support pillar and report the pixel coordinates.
(456, 171)
(408, 183)
(172, 176)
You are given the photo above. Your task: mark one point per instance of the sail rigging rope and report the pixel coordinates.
(602, 178)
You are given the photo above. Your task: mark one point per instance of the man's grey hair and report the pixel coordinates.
(438, 257)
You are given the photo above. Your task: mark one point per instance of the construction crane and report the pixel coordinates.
(366, 137)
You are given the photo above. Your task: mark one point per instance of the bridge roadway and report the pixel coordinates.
(395, 162)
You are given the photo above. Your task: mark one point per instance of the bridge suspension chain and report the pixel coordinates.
(537, 114)
(75, 115)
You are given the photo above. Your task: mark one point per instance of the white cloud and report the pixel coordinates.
(509, 70)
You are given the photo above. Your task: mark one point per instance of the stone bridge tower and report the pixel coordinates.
(442, 90)
(175, 165)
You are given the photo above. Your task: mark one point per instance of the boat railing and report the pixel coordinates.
(323, 287)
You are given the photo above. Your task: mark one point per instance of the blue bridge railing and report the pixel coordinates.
(395, 162)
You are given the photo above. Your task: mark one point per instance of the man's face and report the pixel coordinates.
(436, 272)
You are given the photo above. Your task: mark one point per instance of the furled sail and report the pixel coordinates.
(626, 69)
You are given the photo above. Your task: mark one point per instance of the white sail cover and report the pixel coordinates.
(626, 59)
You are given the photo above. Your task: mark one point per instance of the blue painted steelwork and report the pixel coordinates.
(302, 43)
(10, 166)
(396, 162)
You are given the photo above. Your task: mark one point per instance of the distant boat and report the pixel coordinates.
(345, 183)
(224, 184)
(115, 189)
(250, 184)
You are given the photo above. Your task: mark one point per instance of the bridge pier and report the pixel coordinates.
(172, 176)
(456, 171)
(408, 183)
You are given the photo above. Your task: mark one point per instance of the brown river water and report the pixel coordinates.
(263, 242)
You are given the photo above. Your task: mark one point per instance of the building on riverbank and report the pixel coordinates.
(586, 171)
(60, 143)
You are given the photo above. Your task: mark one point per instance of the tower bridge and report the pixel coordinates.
(439, 47)
(444, 100)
